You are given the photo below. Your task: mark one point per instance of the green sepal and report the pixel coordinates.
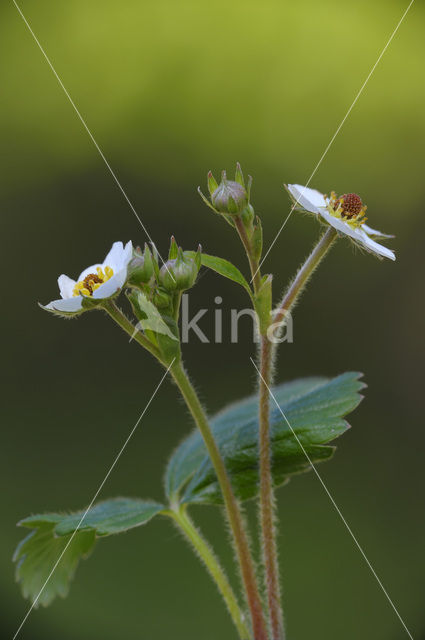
(174, 249)
(198, 257)
(239, 175)
(62, 314)
(155, 262)
(248, 187)
(206, 201)
(89, 302)
(297, 206)
(228, 218)
(212, 183)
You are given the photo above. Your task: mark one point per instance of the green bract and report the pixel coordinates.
(225, 268)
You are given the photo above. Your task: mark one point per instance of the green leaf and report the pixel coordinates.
(224, 268)
(111, 516)
(53, 534)
(37, 555)
(314, 407)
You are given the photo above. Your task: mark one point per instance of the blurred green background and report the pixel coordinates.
(170, 90)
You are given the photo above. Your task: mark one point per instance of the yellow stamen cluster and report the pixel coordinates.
(92, 281)
(338, 208)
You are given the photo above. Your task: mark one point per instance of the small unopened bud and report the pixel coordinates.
(230, 196)
(179, 273)
(140, 269)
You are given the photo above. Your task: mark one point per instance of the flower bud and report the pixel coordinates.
(230, 196)
(179, 273)
(140, 269)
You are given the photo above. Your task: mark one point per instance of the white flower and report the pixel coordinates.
(345, 213)
(96, 282)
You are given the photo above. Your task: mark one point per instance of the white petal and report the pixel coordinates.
(66, 286)
(111, 286)
(68, 305)
(127, 253)
(358, 235)
(374, 247)
(119, 256)
(310, 199)
(341, 226)
(375, 232)
(113, 259)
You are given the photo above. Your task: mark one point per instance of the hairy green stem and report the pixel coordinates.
(233, 511)
(204, 551)
(268, 533)
(232, 507)
(177, 301)
(253, 263)
(267, 500)
(304, 274)
(121, 319)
